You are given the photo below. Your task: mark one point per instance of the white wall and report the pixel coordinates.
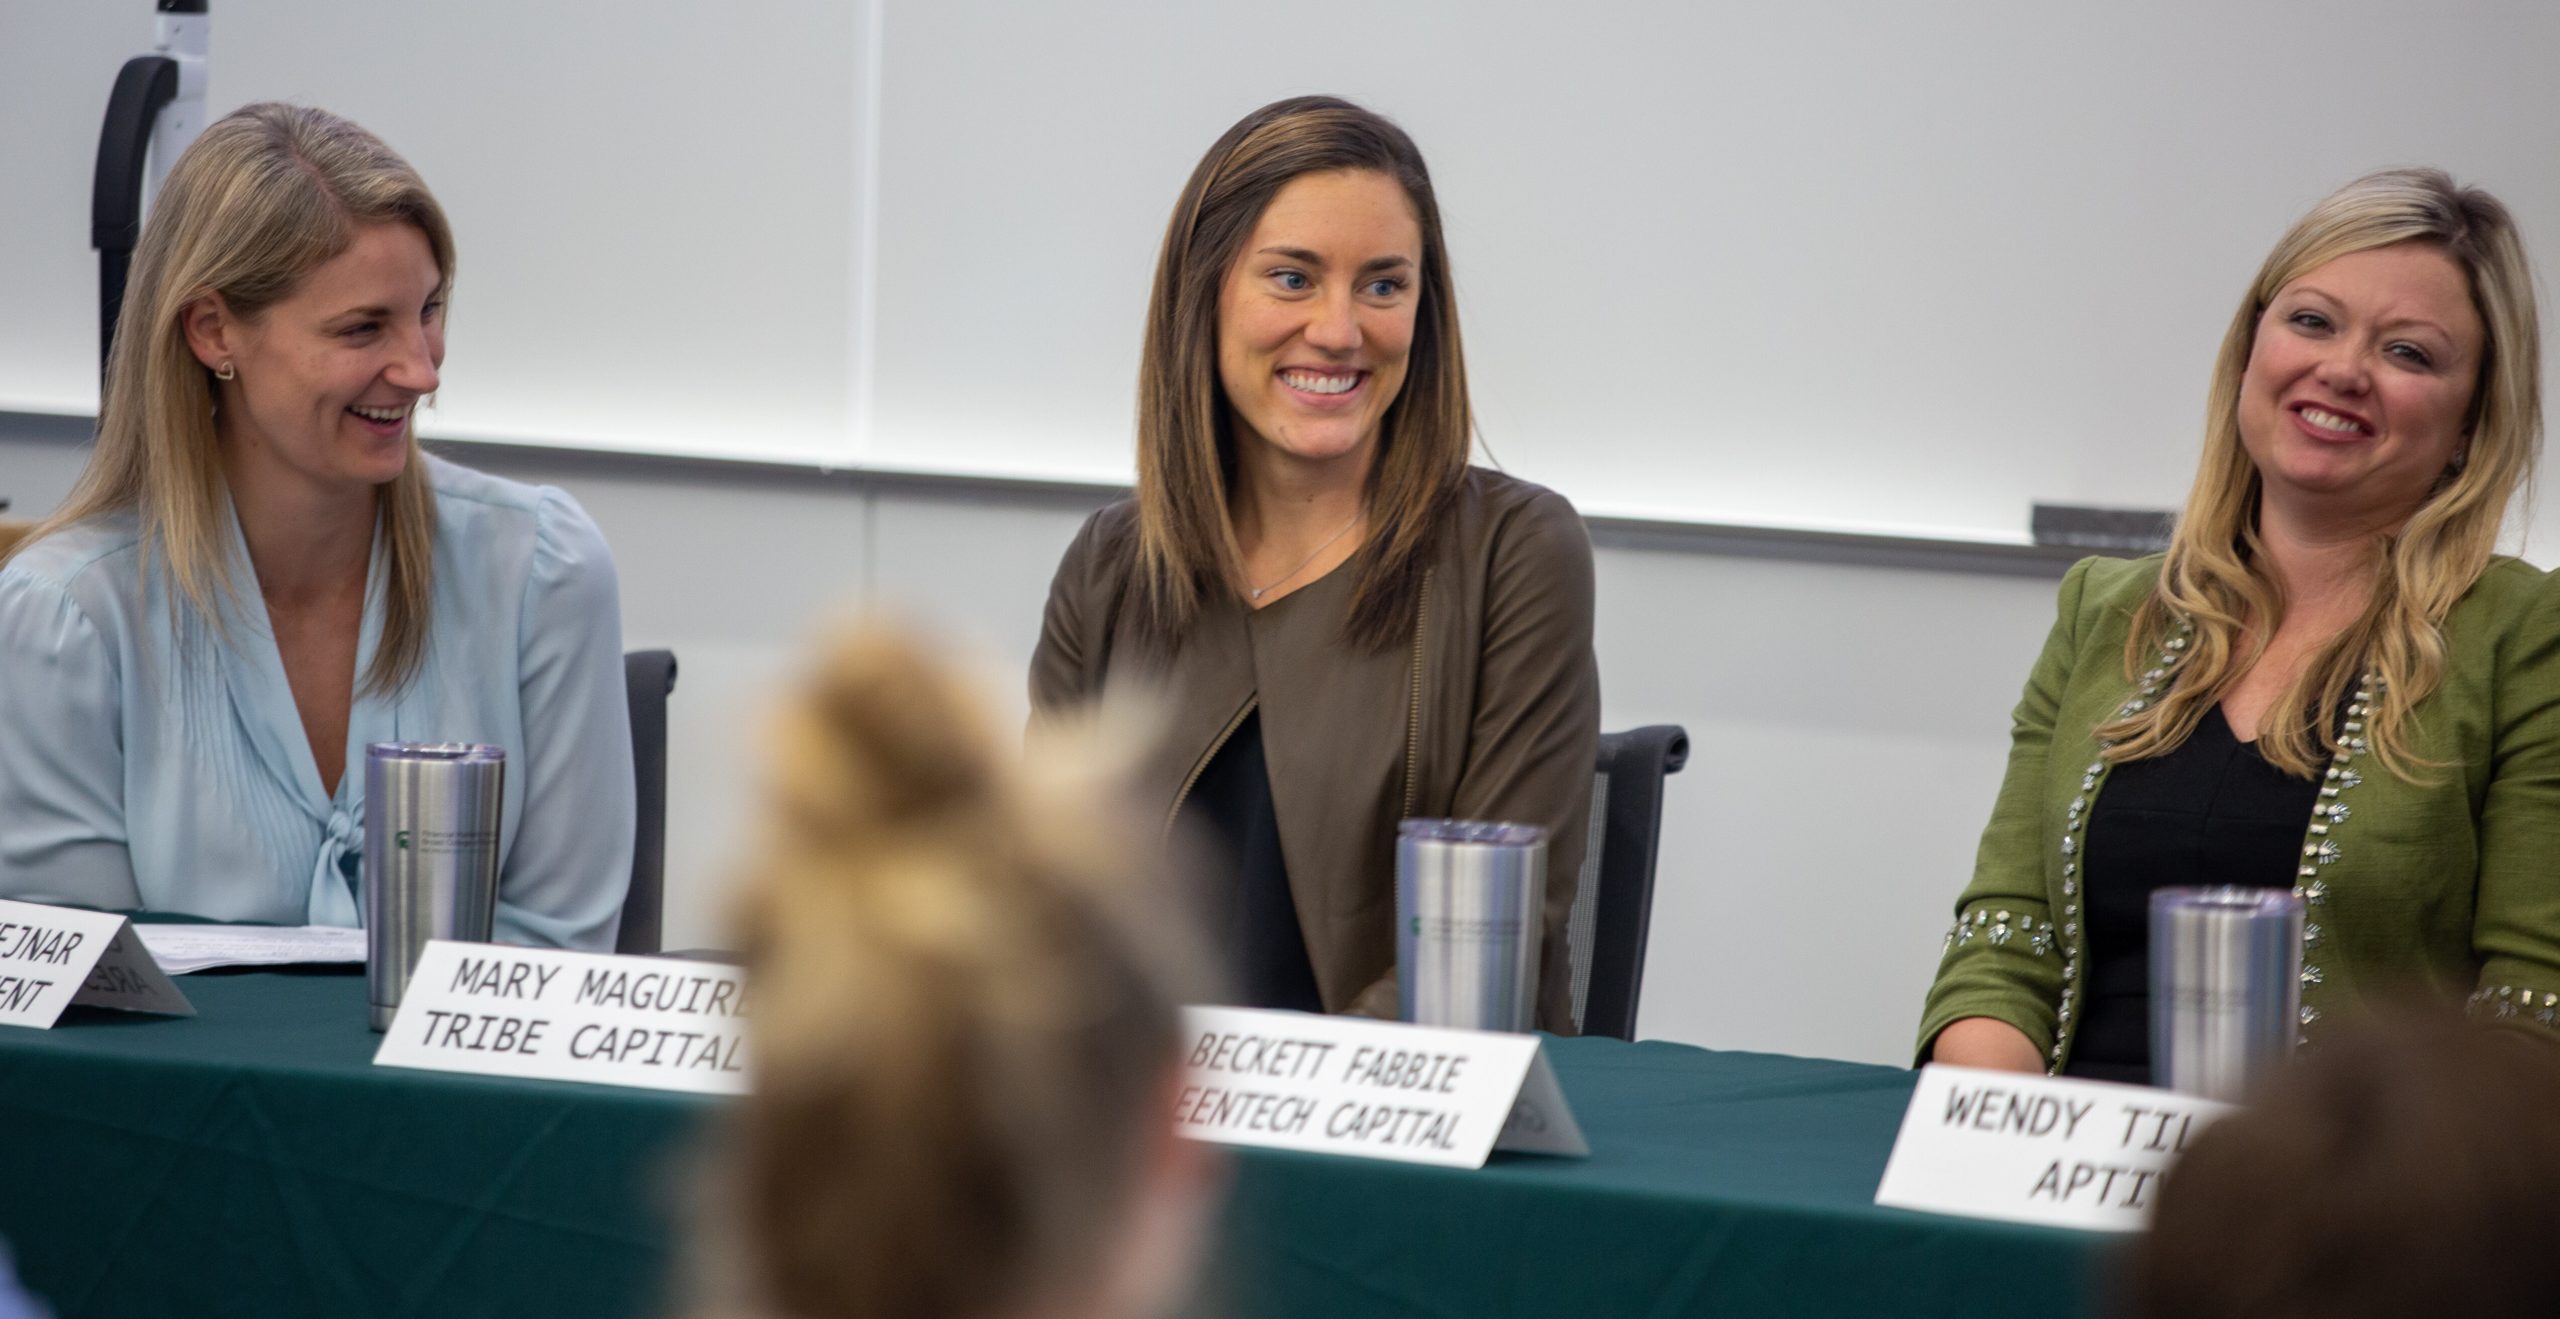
(653, 200)
(1848, 722)
(1864, 262)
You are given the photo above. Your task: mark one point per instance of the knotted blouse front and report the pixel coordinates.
(155, 759)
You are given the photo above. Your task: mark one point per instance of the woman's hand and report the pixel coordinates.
(1986, 1042)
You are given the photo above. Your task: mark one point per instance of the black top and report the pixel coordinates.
(2210, 812)
(1254, 920)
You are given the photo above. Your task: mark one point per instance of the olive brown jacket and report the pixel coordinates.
(2445, 884)
(1490, 711)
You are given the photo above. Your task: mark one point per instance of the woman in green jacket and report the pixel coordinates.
(2329, 681)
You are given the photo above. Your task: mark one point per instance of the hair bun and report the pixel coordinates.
(886, 740)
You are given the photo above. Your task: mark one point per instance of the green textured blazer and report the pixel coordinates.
(2449, 885)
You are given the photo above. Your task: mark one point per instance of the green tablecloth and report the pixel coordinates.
(1719, 1184)
(251, 1161)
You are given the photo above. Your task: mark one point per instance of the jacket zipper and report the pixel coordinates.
(1413, 710)
(1201, 766)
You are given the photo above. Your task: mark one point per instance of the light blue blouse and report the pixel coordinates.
(148, 760)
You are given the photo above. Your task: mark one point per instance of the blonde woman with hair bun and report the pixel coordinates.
(966, 1033)
(2331, 681)
(260, 572)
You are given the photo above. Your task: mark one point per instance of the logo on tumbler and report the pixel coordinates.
(1467, 927)
(438, 842)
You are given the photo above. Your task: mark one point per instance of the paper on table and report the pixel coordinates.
(183, 948)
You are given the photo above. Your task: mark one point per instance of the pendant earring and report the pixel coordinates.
(226, 371)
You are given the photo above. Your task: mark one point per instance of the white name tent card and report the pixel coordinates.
(1370, 1089)
(127, 979)
(2039, 1149)
(657, 1023)
(53, 957)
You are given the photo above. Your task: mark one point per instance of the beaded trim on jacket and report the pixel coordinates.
(2076, 820)
(2320, 848)
(2320, 844)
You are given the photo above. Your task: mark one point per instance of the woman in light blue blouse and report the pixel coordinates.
(260, 573)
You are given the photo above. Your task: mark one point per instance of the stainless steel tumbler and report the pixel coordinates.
(1468, 901)
(2226, 986)
(430, 856)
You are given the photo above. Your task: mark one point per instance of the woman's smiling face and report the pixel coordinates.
(2359, 385)
(1316, 316)
(326, 378)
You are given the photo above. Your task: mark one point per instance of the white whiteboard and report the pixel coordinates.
(652, 200)
(1863, 265)
(1876, 265)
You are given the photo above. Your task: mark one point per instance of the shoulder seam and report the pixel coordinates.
(69, 600)
(23, 564)
(470, 485)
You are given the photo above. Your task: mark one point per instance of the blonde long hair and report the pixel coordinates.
(966, 997)
(266, 195)
(1186, 546)
(2215, 580)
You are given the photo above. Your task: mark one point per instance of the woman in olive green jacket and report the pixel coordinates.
(1344, 624)
(2329, 681)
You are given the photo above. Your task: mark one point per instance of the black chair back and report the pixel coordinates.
(1613, 904)
(648, 675)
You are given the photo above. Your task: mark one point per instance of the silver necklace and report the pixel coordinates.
(1259, 591)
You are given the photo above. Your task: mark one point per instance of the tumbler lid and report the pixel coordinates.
(1496, 833)
(2225, 897)
(469, 753)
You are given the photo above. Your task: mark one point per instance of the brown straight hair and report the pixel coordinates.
(263, 197)
(1186, 447)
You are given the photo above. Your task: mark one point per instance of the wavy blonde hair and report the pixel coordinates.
(2215, 581)
(966, 992)
(262, 198)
